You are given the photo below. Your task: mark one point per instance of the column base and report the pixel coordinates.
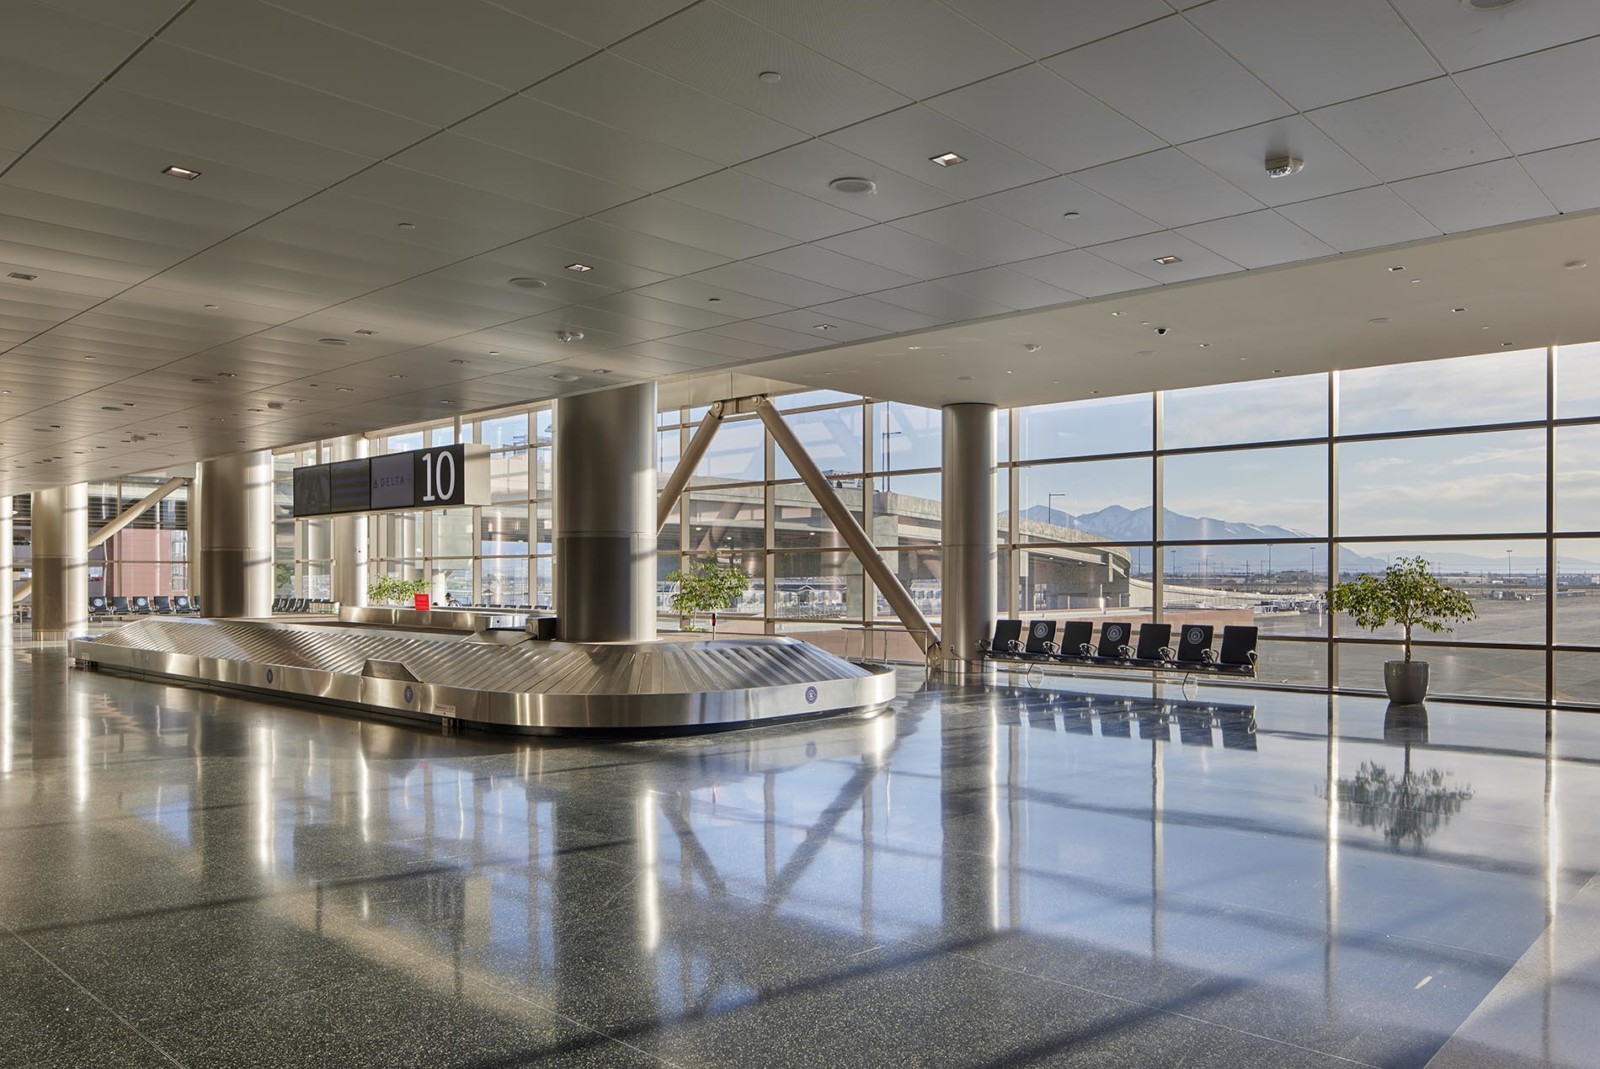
(972, 671)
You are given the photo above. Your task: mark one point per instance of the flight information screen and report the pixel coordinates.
(445, 476)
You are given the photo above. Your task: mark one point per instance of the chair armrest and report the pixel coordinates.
(1052, 647)
(1126, 651)
(1208, 657)
(1085, 650)
(1168, 653)
(1013, 646)
(1252, 657)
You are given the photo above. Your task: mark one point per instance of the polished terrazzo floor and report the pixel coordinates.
(981, 876)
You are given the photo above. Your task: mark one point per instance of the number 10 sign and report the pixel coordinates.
(444, 476)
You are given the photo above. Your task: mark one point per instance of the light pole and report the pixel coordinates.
(1508, 565)
(888, 482)
(1050, 503)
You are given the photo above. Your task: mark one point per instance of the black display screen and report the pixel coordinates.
(444, 476)
(313, 496)
(350, 482)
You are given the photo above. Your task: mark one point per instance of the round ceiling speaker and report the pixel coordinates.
(528, 283)
(853, 185)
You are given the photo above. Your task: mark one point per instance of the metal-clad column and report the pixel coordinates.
(61, 562)
(605, 484)
(970, 545)
(8, 571)
(347, 535)
(236, 534)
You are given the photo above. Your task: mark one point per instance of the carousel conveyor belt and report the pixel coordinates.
(499, 679)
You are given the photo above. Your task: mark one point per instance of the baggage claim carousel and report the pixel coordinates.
(455, 669)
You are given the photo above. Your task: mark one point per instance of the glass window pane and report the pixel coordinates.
(736, 454)
(669, 448)
(508, 577)
(1299, 663)
(1085, 428)
(401, 443)
(442, 435)
(1505, 580)
(810, 398)
(1448, 484)
(1578, 478)
(503, 531)
(908, 437)
(1066, 578)
(669, 540)
(799, 522)
(918, 569)
(544, 583)
(1460, 392)
(832, 439)
(1277, 493)
(1578, 593)
(1236, 412)
(727, 523)
(824, 585)
(908, 510)
(508, 476)
(1278, 588)
(1454, 671)
(1578, 380)
(452, 532)
(504, 432)
(453, 578)
(1577, 678)
(1096, 499)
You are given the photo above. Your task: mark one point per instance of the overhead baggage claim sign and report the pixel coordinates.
(446, 476)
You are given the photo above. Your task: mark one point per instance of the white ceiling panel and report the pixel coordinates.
(609, 324)
(36, 91)
(190, 80)
(1566, 175)
(600, 22)
(1463, 37)
(832, 269)
(510, 174)
(1003, 286)
(1472, 197)
(409, 190)
(1537, 102)
(534, 128)
(186, 207)
(1240, 157)
(732, 348)
(18, 129)
(382, 222)
(1363, 219)
(538, 257)
(106, 219)
(688, 225)
(779, 338)
(1046, 118)
(638, 306)
(1044, 206)
(899, 250)
(1168, 78)
(1260, 239)
(1416, 130)
(721, 53)
(756, 281)
(990, 237)
(759, 203)
(1044, 27)
(19, 233)
(593, 239)
(1139, 255)
(142, 16)
(906, 140)
(1313, 53)
(611, 90)
(916, 47)
(472, 37)
(492, 272)
(61, 41)
(1169, 187)
(697, 294)
(941, 303)
(284, 45)
(668, 357)
(886, 318)
(1082, 273)
(808, 168)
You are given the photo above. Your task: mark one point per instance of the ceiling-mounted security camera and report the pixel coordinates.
(1284, 166)
(568, 336)
(1161, 330)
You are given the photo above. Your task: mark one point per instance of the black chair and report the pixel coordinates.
(1073, 639)
(1154, 723)
(1007, 639)
(1041, 644)
(98, 607)
(278, 604)
(1194, 728)
(119, 605)
(1194, 645)
(1114, 641)
(1238, 729)
(194, 599)
(161, 605)
(1154, 644)
(1238, 652)
(141, 605)
(298, 605)
(181, 604)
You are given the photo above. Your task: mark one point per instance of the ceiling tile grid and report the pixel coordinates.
(664, 168)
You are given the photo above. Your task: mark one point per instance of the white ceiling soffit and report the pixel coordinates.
(374, 172)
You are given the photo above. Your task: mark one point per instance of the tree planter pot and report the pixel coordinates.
(1406, 681)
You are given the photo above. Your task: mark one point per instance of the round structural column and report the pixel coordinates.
(61, 562)
(605, 483)
(8, 570)
(236, 535)
(971, 550)
(347, 535)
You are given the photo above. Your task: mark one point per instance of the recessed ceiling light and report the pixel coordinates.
(344, 389)
(1147, 352)
(568, 336)
(1413, 281)
(1380, 320)
(458, 360)
(1458, 309)
(1505, 345)
(963, 378)
(492, 352)
(89, 358)
(334, 341)
(111, 408)
(213, 306)
(1398, 267)
(1205, 345)
(713, 300)
(406, 226)
(1071, 215)
(527, 282)
(367, 333)
(826, 326)
(1488, 5)
(205, 382)
(226, 375)
(1167, 260)
(1119, 313)
(1576, 265)
(853, 184)
(1277, 371)
(21, 276)
(1032, 347)
(188, 174)
(947, 159)
(770, 77)
(447, 402)
(913, 348)
(580, 268)
(1284, 166)
(566, 376)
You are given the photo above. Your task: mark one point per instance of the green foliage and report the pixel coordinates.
(392, 590)
(1408, 594)
(707, 587)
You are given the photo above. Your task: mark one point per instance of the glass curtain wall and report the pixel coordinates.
(150, 556)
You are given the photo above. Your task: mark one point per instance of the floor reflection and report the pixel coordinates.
(978, 876)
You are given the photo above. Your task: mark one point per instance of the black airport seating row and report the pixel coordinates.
(303, 605)
(1069, 644)
(143, 605)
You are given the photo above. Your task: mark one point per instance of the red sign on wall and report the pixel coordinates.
(420, 602)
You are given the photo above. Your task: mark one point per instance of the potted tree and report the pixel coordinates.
(706, 587)
(392, 590)
(1410, 595)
